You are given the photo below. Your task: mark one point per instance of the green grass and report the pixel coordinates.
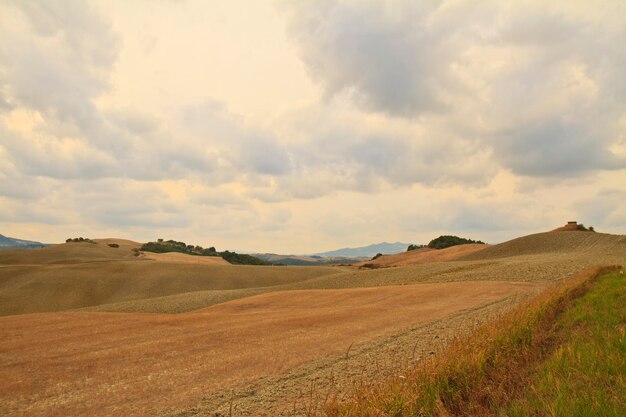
(585, 376)
(521, 364)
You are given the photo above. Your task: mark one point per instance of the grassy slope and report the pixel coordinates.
(487, 373)
(586, 375)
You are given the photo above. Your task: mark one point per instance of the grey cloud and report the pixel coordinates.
(22, 187)
(133, 122)
(64, 65)
(337, 157)
(607, 208)
(247, 150)
(16, 211)
(383, 54)
(554, 149)
(264, 156)
(48, 157)
(411, 59)
(119, 202)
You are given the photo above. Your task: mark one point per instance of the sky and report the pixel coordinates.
(304, 126)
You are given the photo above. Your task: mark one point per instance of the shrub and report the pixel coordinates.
(114, 245)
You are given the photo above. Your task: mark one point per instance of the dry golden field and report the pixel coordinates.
(252, 339)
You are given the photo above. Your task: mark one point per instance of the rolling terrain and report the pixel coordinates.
(244, 328)
(308, 260)
(366, 251)
(81, 275)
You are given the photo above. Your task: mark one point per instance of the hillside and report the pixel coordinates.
(308, 260)
(80, 275)
(10, 242)
(367, 251)
(67, 253)
(591, 244)
(421, 256)
(83, 275)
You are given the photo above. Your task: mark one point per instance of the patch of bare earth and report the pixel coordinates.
(61, 364)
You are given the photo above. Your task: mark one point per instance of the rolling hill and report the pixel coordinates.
(421, 256)
(78, 275)
(367, 251)
(10, 242)
(589, 245)
(99, 277)
(308, 260)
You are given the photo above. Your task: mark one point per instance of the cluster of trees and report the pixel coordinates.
(161, 246)
(582, 228)
(242, 259)
(413, 247)
(164, 246)
(78, 239)
(447, 241)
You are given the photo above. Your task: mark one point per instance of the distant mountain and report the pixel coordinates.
(309, 260)
(9, 242)
(368, 251)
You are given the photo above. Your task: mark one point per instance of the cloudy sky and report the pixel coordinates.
(302, 126)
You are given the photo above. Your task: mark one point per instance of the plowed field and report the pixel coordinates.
(75, 363)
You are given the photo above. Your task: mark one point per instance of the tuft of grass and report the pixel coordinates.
(488, 372)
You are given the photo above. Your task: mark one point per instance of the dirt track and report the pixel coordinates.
(135, 364)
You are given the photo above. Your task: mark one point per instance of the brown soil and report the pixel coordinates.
(60, 364)
(421, 256)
